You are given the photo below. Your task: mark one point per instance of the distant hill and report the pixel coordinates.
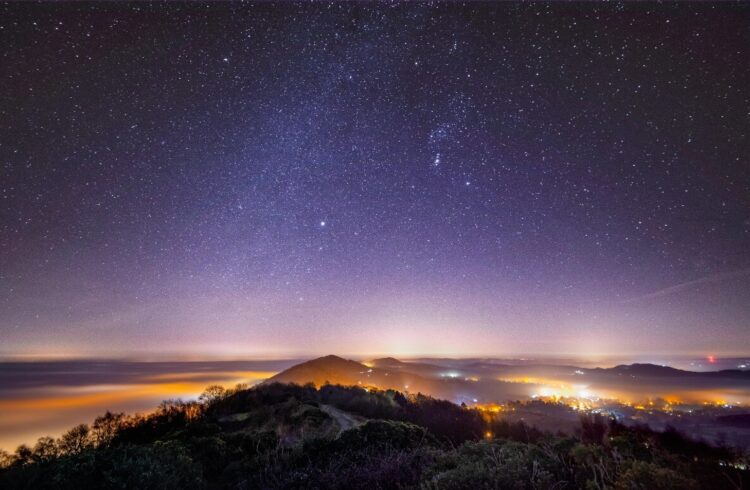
(337, 370)
(389, 373)
(654, 370)
(645, 370)
(387, 362)
(419, 368)
(325, 370)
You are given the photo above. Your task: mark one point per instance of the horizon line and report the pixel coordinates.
(177, 357)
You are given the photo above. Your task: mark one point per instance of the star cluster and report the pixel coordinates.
(410, 178)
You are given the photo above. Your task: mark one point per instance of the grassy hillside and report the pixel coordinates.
(290, 436)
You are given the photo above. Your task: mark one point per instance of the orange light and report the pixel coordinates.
(489, 407)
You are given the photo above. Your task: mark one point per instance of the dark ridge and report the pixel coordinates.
(387, 361)
(645, 369)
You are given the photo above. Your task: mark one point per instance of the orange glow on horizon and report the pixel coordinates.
(34, 413)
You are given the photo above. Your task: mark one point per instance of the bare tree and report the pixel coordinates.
(75, 440)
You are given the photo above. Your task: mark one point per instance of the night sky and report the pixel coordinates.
(269, 180)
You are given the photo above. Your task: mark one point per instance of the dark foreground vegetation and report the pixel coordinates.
(288, 436)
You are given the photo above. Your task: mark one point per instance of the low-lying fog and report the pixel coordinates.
(46, 398)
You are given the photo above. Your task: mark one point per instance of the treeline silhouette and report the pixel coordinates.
(282, 436)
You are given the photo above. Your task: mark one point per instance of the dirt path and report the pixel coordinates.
(345, 420)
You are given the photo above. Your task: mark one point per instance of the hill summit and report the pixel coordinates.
(324, 370)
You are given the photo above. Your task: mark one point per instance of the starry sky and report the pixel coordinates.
(443, 179)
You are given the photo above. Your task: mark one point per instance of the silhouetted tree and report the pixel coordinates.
(5, 459)
(212, 394)
(105, 427)
(45, 448)
(75, 440)
(23, 455)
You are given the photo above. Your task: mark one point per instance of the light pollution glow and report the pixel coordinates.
(26, 415)
(549, 388)
(405, 339)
